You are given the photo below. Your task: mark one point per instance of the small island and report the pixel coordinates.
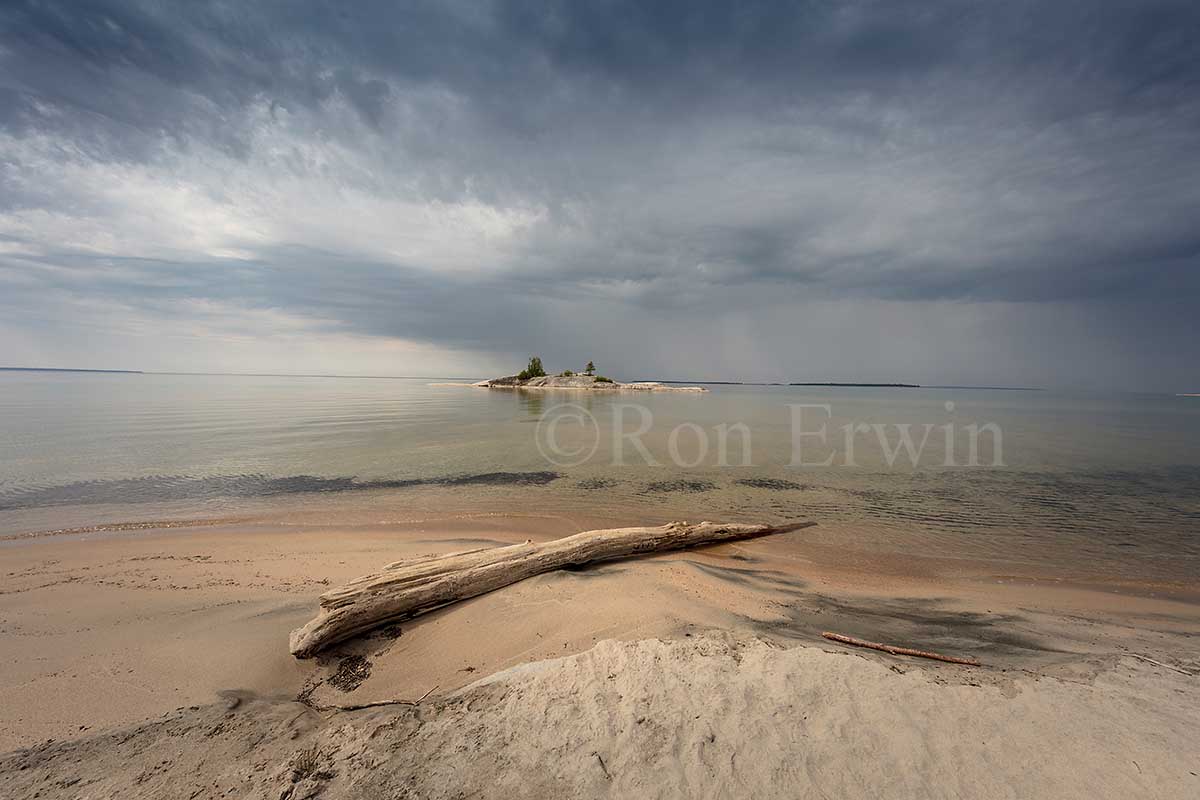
(534, 377)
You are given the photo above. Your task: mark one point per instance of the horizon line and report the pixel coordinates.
(830, 384)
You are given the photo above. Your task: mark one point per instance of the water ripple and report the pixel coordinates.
(155, 488)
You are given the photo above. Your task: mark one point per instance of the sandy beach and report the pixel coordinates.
(700, 672)
(842, 439)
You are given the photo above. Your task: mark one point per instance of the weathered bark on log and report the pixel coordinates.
(407, 588)
(899, 651)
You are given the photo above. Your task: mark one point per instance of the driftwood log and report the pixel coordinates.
(407, 588)
(899, 651)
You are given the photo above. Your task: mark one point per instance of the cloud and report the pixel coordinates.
(674, 187)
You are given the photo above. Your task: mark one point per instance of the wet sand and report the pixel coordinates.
(112, 628)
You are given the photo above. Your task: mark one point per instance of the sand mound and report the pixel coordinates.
(706, 716)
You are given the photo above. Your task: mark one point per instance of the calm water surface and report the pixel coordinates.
(1109, 482)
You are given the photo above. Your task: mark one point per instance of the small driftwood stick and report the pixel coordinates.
(408, 588)
(1159, 664)
(373, 704)
(900, 651)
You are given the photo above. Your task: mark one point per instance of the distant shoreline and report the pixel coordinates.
(68, 369)
(711, 383)
(859, 385)
(864, 385)
(234, 374)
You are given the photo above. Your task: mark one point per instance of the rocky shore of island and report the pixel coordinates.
(534, 377)
(586, 382)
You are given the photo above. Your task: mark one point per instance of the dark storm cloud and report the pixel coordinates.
(504, 54)
(605, 161)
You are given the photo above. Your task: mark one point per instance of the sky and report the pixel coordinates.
(935, 192)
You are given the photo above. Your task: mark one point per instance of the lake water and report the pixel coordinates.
(1108, 485)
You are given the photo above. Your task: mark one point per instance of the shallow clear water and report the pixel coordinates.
(1113, 481)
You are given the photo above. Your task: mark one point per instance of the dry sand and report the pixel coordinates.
(112, 629)
(709, 716)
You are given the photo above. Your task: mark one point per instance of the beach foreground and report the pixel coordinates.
(701, 672)
(710, 716)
